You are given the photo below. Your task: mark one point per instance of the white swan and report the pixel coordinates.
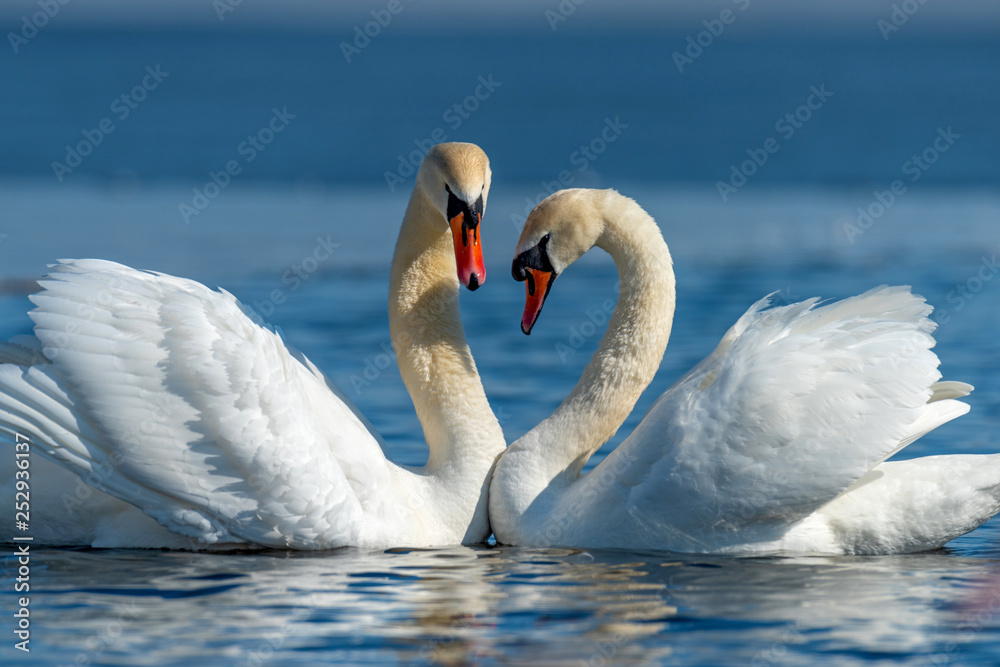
(775, 442)
(166, 395)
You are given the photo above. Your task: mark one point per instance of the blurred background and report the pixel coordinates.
(695, 84)
(817, 149)
(269, 147)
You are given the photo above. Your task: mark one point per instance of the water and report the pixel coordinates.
(510, 606)
(493, 605)
(549, 94)
(787, 231)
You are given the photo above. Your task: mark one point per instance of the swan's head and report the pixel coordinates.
(455, 177)
(557, 233)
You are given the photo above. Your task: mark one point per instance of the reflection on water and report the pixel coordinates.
(520, 606)
(484, 605)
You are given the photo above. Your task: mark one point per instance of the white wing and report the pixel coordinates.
(906, 506)
(166, 394)
(794, 405)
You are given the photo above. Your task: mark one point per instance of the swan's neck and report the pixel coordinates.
(434, 359)
(626, 360)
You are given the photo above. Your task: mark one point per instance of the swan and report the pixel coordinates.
(200, 427)
(775, 442)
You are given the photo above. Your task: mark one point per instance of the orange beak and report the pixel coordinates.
(536, 288)
(468, 250)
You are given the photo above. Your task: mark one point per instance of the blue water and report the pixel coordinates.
(353, 120)
(787, 231)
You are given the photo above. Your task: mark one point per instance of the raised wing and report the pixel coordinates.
(795, 405)
(166, 394)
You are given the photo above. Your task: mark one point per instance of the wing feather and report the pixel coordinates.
(794, 405)
(187, 400)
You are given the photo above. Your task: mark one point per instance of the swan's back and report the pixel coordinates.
(794, 406)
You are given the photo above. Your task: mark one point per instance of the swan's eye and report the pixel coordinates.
(455, 205)
(543, 248)
(478, 207)
(537, 258)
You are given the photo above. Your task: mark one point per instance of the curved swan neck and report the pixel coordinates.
(431, 351)
(630, 351)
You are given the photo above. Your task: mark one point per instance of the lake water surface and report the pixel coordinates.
(500, 605)
(791, 229)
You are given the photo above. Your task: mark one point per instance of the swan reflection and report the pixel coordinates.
(480, 605)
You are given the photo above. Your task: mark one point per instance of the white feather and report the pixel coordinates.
(167, 397)
(200, 417)
(775, 442)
